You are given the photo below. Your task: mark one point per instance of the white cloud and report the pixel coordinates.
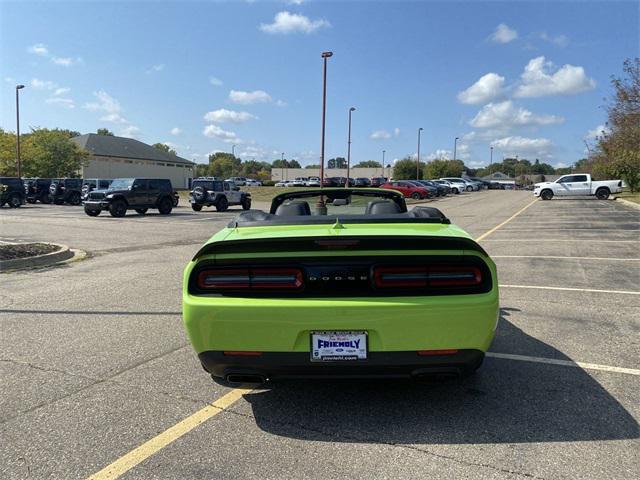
(285, 23)
(380, 135)
(225, 116)
(440, 154)
(295, 2)
(130, 131)
(281, 103)
(62, 102)
(215, 81)
(396, 132)
(214, 131)
(66, 61)
(522, 146)
(506, 115)
(175, 131)
(487, 88)
(42, 84)
(559, 40)
(503, 34)
(39, 49)
(156, 68)
(247, 98)
(106, 103)
(9, 79)
(60, 91)
(537, 81)
(597, 132)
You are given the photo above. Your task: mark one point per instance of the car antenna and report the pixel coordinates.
(338, 225)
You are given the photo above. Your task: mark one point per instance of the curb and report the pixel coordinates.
(40, 260)
(628, 203)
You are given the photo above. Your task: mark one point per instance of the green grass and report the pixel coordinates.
(627, 195)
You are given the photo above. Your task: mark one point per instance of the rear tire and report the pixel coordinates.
(31, 200)
(546, 194)
(469, 189)
(141, 211)
(75, 199)
(46, 199)
(118, 208)
(416, 196)
(165, 206)
(196, 207)
(14, 201)
(246, 203)
(222, 205)
(91, 212)
(602, 193)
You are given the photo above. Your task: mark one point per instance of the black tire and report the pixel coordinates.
(175, 201)
(118, 208)
(91, 212)
(456, 191)
(31, 200)
(602, 193)
(14, 201)
(546, 194)
(75, 198)
(196, 207)
(46, 199)
(141, 211)
(165, 206)
(58, 201)
(469, 189)
(246, 203)
(222, 205)
(416, 196)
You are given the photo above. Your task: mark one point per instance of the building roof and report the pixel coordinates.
(112, 146)
(497, 176)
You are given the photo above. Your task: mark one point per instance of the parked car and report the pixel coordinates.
(239, 181)
(299, 182)
(283, 183)
(91, 184)
(37, 190)
(66, 190)
(250, 299)
(139, 194)
(12, 191)
(469, 186)
(330, 182)
(443, 188)
(253, 183)
(432, 191)
(496, 186)
(217, 193)
(483, 184)
(456, 187)
(313, 182)
(407, 188)
(361, 182)
(577, 184)
(378, 181)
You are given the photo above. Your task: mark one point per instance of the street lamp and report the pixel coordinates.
(418, 159)
(383, 152)
(282, 166)
(346, 184)
(18, 88)
(490, 158)
(455, 145)
(321, 208)
(233, 151)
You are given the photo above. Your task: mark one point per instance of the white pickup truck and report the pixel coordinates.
(577, 184)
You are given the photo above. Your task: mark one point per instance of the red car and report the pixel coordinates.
(408, 189)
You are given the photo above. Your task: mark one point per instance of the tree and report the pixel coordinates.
(444, 168)
(618, 151)
(285, 164)
(368, 164)
(164, 148)
(44, 153)
(202, 170)
(405, 169)
(312, 166)
(104, 131)
(338, 162)
(223, 164)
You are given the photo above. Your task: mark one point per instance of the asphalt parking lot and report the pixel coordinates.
(94, 361)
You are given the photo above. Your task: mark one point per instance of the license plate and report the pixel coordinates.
(338, 346)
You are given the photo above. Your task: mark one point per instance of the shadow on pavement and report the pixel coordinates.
(506, 402)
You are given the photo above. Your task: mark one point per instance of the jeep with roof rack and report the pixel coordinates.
(208, 191)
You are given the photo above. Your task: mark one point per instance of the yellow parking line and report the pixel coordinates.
(147, 449)
(486, 234)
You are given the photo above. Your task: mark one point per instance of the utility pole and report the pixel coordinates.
(418, 159)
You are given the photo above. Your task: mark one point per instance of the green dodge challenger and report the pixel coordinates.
(340, 283)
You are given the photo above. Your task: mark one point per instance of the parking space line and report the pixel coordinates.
(571, 289)
(486, 234)
(564, 363)
(150, 447)
(538, 240)
(554, 257)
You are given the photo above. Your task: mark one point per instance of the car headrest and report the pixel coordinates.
(381, 207)
(293, 209)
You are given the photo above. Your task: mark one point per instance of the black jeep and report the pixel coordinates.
(11, 191)
(91, 184)
(66, 190)
(206, 192)
(37, 189)
(139, 194)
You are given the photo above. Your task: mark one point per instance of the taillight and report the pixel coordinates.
(250, 279)
(426, 276)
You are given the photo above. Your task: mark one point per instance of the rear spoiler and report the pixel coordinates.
(331, 243)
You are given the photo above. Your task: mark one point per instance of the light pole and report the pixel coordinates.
(490, 159)
(282, 166)
(233, 151)
(455, 145)
(18, 88)
(383, 152)
(321, 208)
(346, 184)
(418, 159)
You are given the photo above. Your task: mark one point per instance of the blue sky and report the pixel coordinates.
(528, 78)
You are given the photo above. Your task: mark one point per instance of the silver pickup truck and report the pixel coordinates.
(577, 184)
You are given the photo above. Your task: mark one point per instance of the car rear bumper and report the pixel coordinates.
(273, 366)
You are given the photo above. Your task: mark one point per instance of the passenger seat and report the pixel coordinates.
(293, 209)
(382, 207)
